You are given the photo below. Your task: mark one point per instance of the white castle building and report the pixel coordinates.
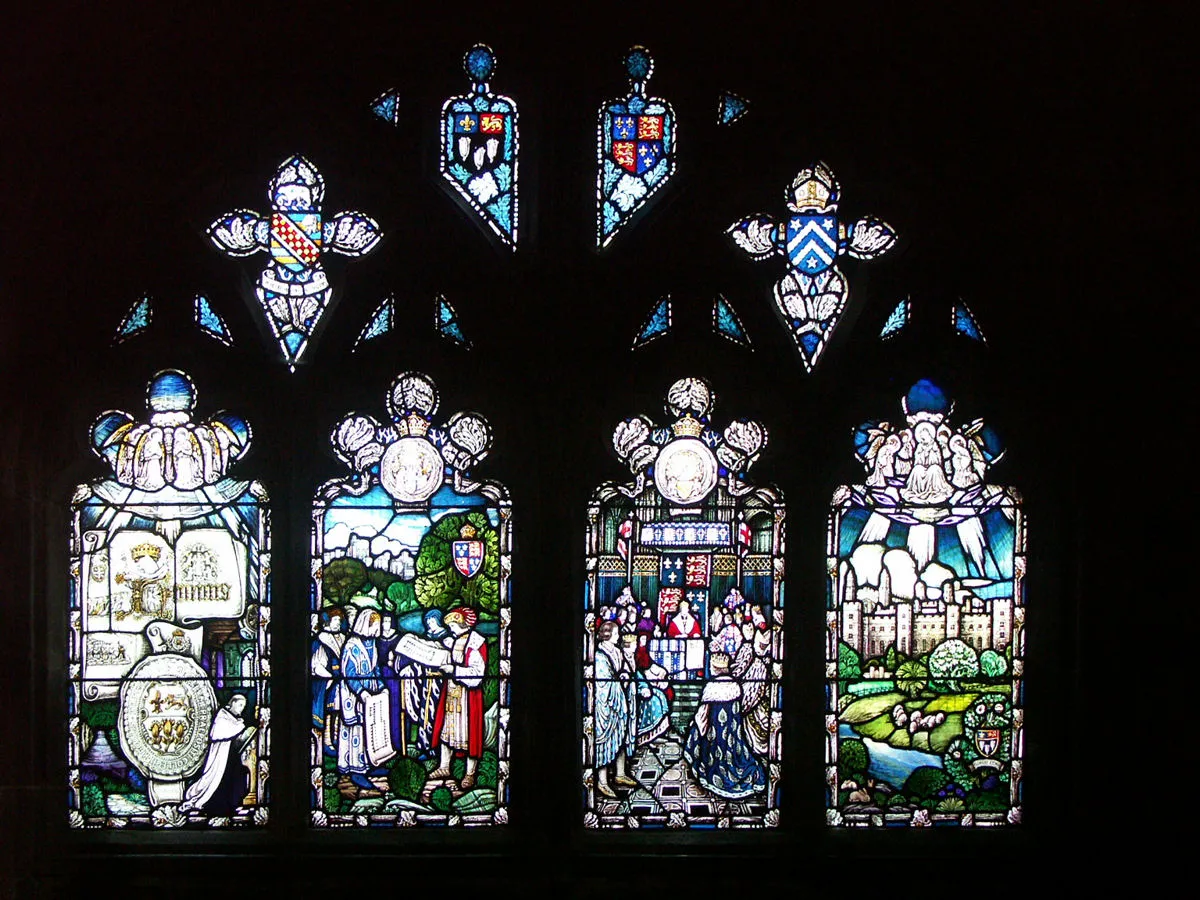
(873, 621)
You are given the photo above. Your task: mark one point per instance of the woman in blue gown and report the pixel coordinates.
(716, 749)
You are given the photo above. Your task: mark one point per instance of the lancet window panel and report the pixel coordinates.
(169, 695)
(410, 616)
(683, 629)
(925, 648)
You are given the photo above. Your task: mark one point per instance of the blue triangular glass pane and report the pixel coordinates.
(210, 320)
(379, 323)
(656, 325)
(387, 106)
(964, 323)
(897, 320)
(726, 322)
(731, 108)
(446, 322)
(136, 319)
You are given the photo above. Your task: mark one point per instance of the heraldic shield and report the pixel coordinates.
(812, 242)
(637, 142)
(468, 556)
(479, 147)
(296, 240)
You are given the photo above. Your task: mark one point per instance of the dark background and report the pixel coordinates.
(1024, 156)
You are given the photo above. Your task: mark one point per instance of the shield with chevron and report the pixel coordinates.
(812, 242)
(296, 240)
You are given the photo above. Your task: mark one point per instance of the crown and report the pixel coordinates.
(467, 532)
(146, 549)
(413, 423)
(688, 426)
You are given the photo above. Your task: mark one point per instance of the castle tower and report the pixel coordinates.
(953, 620)
(1001, 622)
(852, 624)
(885, 587)
(904, 628)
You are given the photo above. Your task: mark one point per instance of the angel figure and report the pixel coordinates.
(813, 293)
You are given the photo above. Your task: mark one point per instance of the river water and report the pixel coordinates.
(888, 763)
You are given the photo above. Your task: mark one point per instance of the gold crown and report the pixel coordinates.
(812, 188)
(467, 532)
(415, 424)
(688, 426)
(146, 549)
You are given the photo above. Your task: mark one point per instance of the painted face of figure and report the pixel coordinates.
(456, 624)
(237, 705)
(335, 624)
(685, 608)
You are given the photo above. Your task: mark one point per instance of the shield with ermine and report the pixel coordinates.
(812, 242)
(478, 141)
(468, 557)
(296, 239)
(987, 740)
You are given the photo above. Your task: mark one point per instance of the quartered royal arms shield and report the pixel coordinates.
(468, 553)
(636, 148)
(479, 147)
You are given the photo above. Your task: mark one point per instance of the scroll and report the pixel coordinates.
(378, 727)
(427, 653)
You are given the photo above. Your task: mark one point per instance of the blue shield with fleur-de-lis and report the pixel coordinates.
(637, 141)
(468, 557)
(479, 141)
(812, 242)
(296, 239)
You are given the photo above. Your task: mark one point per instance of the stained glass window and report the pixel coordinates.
(387, 106)
(683, 628)
(965, 324)
(897, 319)
(925, 643)
(445, 320)
(410, 622)
(169, 688)
(380, 322)
(726, 322)
(810, 298)
(480, 143)
(136, 320)
(656, 325)
(730, 108)
(210, 321)
(635, 147)
(293, 290)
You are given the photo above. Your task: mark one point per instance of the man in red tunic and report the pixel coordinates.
(458, 724)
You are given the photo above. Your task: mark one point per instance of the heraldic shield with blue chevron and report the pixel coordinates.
(812, 242)
(479, 147)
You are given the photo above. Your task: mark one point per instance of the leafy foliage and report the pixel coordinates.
(91, 800)
(406, 778)
(342, 578)
(950, 661)
(99, 714)
(853, 756)
(992, 664)
(489, 769)
(849, 662)
(440, 585)
(401, 598)
(441, 799)
(912, 677)
(925, 781)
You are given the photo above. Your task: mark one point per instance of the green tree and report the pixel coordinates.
(406, 778)
(992, 664)
(912, 677)
(853, 757)
(849, 662)
(439, 584)
(402, 597)
(342, 579)
(925, 781)
(893, 659)
(381, 580)
(950, 661)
